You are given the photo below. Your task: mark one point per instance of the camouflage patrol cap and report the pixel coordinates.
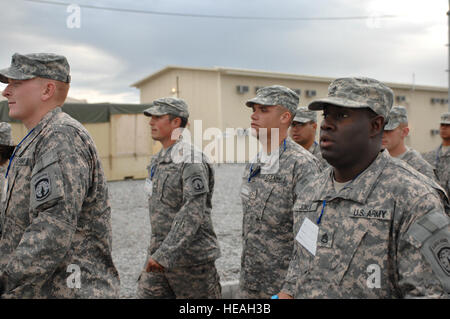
(43, 65)
(276, 95)
(445, 118)
(168, 105)
(303, 115)
(397, 116)
(357, 92)
(5, 134)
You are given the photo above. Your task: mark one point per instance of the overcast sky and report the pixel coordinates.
(113, 49)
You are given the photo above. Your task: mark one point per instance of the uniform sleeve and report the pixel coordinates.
(58, 185)
(290, 282)
(424, 251)
(305, 173)
(188, 219)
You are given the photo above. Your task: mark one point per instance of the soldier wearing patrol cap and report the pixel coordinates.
(439, 158)
(303, 132)
(183, 247)
(370, 226)
(270, 185)
(395, 132)
(56, 230)
(6, 145)
(6, 149)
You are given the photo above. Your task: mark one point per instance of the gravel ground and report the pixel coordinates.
(131, 226)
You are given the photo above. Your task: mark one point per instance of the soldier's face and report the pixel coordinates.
(344, 135)
(24, 97)
(303, 133)
(394, 138)
(161, 127)
(444, 131)
(265, 117)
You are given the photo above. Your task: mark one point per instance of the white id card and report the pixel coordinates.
(148, 187)
(307, 236)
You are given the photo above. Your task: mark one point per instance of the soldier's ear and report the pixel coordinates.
(286, 118)
(405, 131)
(48, 90)
(376, 125)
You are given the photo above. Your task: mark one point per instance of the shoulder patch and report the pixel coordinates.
(42, 187)
(197, 184)
(432, 235)
(441, 251)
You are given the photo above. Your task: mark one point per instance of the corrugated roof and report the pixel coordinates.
(277, 75)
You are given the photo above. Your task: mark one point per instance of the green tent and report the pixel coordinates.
(85, 113)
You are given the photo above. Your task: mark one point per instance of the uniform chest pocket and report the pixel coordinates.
(18, 189)
(171, 188)
(260, 203)
(347, 245)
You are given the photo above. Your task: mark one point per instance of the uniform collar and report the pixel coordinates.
(444, 151)
(360, 188)
(313, 147)
(165, 156)
(38, 129)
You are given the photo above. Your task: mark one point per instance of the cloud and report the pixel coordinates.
(111, 50)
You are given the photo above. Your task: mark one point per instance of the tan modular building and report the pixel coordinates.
(217, 97)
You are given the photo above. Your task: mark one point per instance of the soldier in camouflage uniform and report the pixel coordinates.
(183, 246)
(395, 132)
(6, 148)
(303, 132)
(56, 234)
(370, 226)
(440, 157)
(270, 186)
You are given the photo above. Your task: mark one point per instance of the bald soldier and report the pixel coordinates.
(56, 236)
(183, 246)
(270, 186)
(439, 158)
(303, 132)
(395, 132)
(370, 226)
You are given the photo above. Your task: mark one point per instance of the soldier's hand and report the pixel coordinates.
(153, 266)
(282, 295)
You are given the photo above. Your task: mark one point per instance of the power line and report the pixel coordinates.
(193, 15)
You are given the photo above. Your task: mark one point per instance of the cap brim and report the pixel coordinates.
(302, 119)
(154, 111)
(319, 104)
(445, 122)
(391, 126)
(14, 74)
(259, 101)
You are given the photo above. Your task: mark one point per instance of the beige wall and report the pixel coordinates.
(423, 116)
